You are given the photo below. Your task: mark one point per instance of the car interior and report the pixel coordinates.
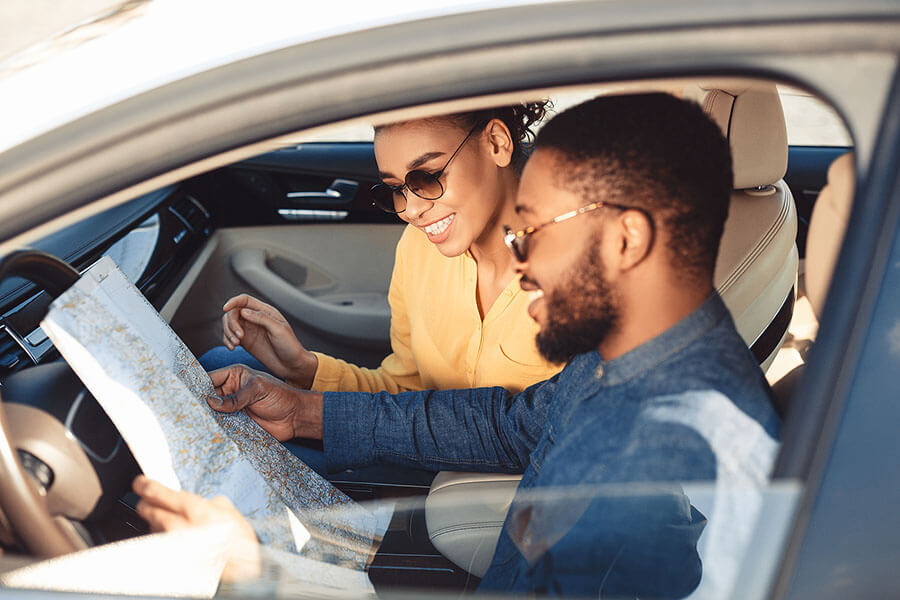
(295, 226)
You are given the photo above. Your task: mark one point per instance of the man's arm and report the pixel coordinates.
(482, 429)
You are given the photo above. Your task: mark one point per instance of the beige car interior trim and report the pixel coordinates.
(187, 282)
(334, 264)
(464, 514)
(827, 226)
(76, 488)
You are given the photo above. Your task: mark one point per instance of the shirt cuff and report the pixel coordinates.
(348, 430)
(328, 374)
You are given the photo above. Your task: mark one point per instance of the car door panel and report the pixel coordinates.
(359, 317)
(297, 229)
(329, 280)
(313, 182)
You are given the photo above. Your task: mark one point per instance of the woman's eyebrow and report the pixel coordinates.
(413, 164)
(421, 160)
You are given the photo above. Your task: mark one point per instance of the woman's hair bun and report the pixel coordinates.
(520, 119)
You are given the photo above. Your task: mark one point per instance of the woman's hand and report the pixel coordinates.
(284, 411)
(266, 334)
(166, 509)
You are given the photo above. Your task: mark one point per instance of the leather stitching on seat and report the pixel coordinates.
(465, 527)
(751, 257)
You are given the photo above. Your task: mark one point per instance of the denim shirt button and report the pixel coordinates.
(599, 372)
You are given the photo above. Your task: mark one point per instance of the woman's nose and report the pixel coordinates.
(416, 206)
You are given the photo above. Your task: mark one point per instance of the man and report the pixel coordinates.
(624, 199)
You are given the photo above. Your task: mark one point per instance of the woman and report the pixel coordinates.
(458, 315)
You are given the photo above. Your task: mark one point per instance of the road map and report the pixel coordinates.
(155, 391)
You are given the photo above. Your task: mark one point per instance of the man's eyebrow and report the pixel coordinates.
(522, 209)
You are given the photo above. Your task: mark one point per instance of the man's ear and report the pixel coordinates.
(635, 238)
(501, 142)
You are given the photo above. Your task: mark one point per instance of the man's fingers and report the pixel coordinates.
(229, 403)
(163, 508)
(222, 502)
(232, 391)
(159, 495)
(220, 377)
(159, 518)
(226, 381)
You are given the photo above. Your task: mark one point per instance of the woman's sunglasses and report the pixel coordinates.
(425, 185)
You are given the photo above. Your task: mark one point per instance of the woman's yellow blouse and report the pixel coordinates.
(437, 336)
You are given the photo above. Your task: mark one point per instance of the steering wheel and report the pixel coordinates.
(48, 401)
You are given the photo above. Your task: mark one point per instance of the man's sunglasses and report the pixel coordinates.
(517, 241)
(392, 198)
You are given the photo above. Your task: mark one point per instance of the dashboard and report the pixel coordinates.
(152, 238)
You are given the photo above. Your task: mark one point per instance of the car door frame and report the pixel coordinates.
(94, 157)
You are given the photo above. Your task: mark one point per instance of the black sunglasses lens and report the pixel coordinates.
(387, 199)
(518, 246)
(424, 185)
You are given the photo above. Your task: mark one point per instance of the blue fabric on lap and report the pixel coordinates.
(220, 357)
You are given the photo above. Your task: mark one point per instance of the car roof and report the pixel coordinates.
(144, 45)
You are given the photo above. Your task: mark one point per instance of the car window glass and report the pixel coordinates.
(810, 121)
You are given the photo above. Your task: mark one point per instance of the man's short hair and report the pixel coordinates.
(654, 152)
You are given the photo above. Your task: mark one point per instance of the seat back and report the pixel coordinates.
(756, 270)
(827, 226)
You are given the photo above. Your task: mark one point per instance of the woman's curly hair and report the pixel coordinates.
(520, 119)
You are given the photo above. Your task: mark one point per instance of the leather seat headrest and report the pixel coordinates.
(753, 122)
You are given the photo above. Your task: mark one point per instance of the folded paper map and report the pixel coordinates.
(155, 391)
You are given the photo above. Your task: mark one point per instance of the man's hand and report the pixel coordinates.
(165, 509)
(284, 411)
(266, 334)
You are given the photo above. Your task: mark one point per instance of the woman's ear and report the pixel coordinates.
(501, 142)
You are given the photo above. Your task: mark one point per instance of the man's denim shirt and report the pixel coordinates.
(689, 405)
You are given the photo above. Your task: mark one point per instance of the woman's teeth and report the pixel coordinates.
(439, 227)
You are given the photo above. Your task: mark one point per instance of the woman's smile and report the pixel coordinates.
(439, 231)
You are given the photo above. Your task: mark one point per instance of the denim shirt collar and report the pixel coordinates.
(650, 354)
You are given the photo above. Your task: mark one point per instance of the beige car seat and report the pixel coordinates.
(827, 226)
(755, 273)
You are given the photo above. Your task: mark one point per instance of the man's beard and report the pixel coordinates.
(581, 312)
